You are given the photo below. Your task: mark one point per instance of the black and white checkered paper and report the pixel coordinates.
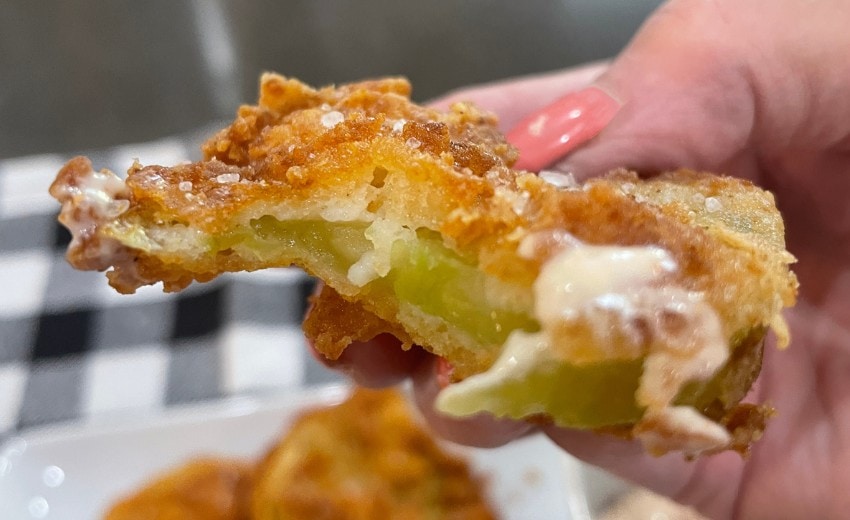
(72, 348)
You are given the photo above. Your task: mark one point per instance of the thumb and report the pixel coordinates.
(677, 96)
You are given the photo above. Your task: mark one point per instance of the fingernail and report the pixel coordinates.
(554, 131)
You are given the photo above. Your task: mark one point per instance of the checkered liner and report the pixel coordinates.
(71, 347)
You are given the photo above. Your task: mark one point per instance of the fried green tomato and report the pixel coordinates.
(621, 304)
(201, 489)
(362, 459)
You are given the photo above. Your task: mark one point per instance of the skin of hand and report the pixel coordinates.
(751, 88)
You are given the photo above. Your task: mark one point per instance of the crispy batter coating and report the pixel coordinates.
(333, 323)
(202, 489)
(334, 179)
(363, 459)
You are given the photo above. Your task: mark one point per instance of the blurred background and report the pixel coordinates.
(90, 75)
(87, 74)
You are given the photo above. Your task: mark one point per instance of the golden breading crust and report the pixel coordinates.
(371, 192)
(365, 458)
(334, 323)
(202, 489)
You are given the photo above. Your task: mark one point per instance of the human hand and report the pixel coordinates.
(754, 89)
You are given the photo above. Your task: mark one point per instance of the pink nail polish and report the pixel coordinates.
(556, 130)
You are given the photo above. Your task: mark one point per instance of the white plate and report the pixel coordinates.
(76, 472)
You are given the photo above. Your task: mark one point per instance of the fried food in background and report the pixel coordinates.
(363, 459)
(622, 304)
(202, 489)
